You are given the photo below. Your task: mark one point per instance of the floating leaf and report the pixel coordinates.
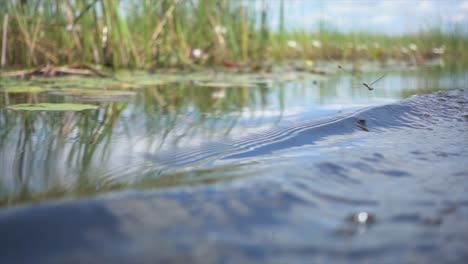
(90, 92)
(126, 86)
(224, 84)
(24, 89)
(52, 107)
(76, 91)
(93, 95)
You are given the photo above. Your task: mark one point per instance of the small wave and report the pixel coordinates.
(416, 113)
(422, 112)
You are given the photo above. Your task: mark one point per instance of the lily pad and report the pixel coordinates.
(94, 95)
(150, 82)
(74, 82)
(125, 86)
(224, 84)
(52, 107)
(75, 91)
(24, 89)
(90, 92)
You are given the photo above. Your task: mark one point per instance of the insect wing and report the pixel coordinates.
(377, 79)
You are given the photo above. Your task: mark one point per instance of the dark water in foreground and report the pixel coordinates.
(284, 173)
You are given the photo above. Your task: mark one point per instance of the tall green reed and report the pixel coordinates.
(153, 34)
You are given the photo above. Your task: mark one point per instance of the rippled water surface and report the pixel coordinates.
(317, 168)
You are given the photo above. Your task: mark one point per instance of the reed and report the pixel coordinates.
(153, 34)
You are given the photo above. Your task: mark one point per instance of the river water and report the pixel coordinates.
(313, 169)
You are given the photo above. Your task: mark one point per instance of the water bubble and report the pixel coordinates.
(362, 218)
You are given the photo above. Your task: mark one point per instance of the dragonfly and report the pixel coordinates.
(369, 86)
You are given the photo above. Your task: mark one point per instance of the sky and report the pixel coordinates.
(392, 17)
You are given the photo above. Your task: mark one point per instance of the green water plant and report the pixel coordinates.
(24, 89)
(52, 107)
(155, 34)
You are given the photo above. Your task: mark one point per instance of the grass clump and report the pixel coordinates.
(152, 34)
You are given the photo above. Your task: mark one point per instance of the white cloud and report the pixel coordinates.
(314, 18)
(426, 5)
(382, 19)
(387, 5)
(464, 6)
(346, 9)
(458, 18)
(382, 15)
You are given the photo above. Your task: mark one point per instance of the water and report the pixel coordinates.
(291, 171)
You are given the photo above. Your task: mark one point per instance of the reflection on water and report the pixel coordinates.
(303, 193)
(55, 154)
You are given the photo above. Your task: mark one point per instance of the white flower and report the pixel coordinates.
(220, 30)
(361, 47)
(105, 30)
(218, 94)
(293, 44)
(439, 51)
(316, 43)
(197, 53)
(413, 47)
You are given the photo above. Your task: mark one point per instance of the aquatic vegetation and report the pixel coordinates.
(93, 95)
(24, 89)
(52, 107)
(186, 34)
(225, 84)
